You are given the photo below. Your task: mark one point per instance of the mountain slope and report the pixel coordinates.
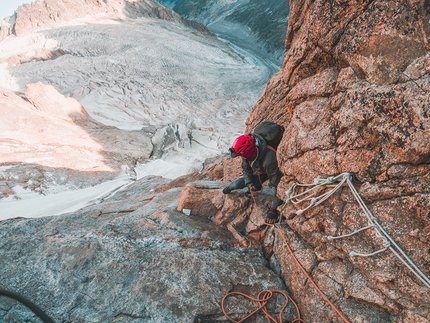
(160, 77)
(47, 14)
(263, 22)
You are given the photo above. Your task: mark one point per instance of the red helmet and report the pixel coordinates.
(244, 146)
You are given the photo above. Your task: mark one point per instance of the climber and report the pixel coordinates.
(259, 163)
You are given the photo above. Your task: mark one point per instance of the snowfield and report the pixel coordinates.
(192, 90)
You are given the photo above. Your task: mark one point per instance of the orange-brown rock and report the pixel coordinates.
(202, 198)
(354, 96)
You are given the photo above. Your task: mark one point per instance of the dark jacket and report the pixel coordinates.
(265, 162)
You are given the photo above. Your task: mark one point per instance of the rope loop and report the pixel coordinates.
(262, 299)
(314, 196)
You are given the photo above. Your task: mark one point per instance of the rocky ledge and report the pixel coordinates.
(132, 258)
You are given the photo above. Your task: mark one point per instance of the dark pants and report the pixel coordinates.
(257, 182)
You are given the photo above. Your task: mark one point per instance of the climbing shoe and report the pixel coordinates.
(227, 190)
(272, 217)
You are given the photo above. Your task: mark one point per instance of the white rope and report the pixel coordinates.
(422, 277)
(350, 234)
(353, 253)
(318, 200)
(388, 242)
(306, 192)
(405, 259)
(330, 193)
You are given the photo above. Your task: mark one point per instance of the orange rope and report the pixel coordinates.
(304, 272)
(262, 299)
(309, 277)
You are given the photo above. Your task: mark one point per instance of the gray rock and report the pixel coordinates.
(131, 258)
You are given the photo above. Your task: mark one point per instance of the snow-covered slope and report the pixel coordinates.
(190, 89)
(260, 23)
(143, 71)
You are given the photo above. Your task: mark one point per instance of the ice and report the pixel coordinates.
(137, 73)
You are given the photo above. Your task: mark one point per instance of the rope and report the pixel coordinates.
(262, 299)
(388, 242)
(318, 186)
(309, 277)
(36, 310)
(353, 253)
(350, 234)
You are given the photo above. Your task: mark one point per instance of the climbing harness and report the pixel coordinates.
(271, 148)
(262, 300)
(36, 310)
(372, 222)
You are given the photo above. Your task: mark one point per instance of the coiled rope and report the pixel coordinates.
(33, 307)
(262, 299)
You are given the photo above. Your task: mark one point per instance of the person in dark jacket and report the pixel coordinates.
(259, 164)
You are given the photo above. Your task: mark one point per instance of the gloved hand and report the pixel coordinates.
(272, 216)
(252, 190)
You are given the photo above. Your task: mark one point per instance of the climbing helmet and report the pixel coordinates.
(244, 146)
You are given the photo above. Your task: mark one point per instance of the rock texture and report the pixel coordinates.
(133, 258)
(240, 213)
(353, 95)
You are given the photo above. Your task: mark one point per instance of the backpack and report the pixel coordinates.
(271, 132)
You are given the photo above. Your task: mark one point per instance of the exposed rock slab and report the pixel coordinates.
(242, 214)
(133, 258)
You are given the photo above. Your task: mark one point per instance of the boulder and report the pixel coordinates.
(202, 198)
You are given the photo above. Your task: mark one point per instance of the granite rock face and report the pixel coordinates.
(132, 258)
(353, 95)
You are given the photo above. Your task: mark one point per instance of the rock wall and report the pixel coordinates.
(353, 95)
